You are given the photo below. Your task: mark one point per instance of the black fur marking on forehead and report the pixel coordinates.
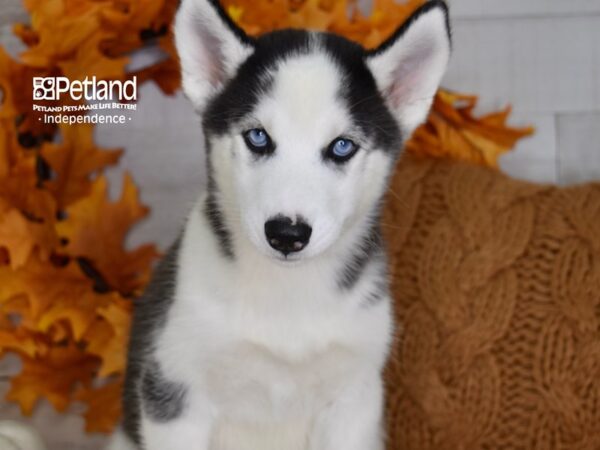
(358, 88)
(242, 93)
(360, 94)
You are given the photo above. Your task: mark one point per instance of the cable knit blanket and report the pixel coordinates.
(497, 288)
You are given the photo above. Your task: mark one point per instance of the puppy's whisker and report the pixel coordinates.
(399, 200)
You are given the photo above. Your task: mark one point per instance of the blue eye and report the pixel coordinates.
(341, 150)
(258, 137)
(258, 140)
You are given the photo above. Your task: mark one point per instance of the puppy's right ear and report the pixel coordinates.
(210, 46)
(409, 66)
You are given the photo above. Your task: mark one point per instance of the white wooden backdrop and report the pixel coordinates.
(541, 56)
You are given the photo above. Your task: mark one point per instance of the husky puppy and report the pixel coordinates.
(267, 324)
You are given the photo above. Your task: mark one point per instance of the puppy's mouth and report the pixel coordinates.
(287, 260)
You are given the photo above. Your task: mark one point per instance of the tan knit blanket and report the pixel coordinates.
(497, 288)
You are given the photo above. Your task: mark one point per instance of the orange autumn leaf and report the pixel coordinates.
(78, 312)
(27, 35)
(103, 406)
(20, 190)
(10, 74)
(74, 160)
(21, 237)
(95, 229)
(16, 305)
(124, 19)
(453, 131)
(26, 213)
(310, 15)
(340, 16)
(92, 60)
(108, 337)
(8, 148)
(61, 27)
(51, 301)
(38, 378)
(17, 340)
(50, 290)
(88, 37)
(17, 101)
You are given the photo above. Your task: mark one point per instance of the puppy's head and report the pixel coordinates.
(303, 128)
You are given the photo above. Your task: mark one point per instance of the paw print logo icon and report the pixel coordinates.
(43, 88)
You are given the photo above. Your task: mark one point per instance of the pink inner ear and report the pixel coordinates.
(212, 57)
(409, 78)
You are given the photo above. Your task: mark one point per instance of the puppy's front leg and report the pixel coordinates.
(173, 416)
(353, 421)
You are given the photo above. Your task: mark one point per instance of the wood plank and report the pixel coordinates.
(169, 208)
(10, 365)
(10, 42)
(164, 140)
(534, 158)
(165, 153)
(579, 148)
(538, 65)
(519, 8)
(12, 11)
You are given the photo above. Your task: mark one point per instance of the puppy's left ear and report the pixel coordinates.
(409, 66)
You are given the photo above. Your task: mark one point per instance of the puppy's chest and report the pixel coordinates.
(281, 362)
(269, 352)
(250, 381)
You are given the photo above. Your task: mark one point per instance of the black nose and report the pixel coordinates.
(285, 236)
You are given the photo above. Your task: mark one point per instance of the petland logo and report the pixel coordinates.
(89, 96)
(51, 88)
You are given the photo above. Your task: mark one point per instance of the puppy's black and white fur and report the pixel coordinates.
(268, 323)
